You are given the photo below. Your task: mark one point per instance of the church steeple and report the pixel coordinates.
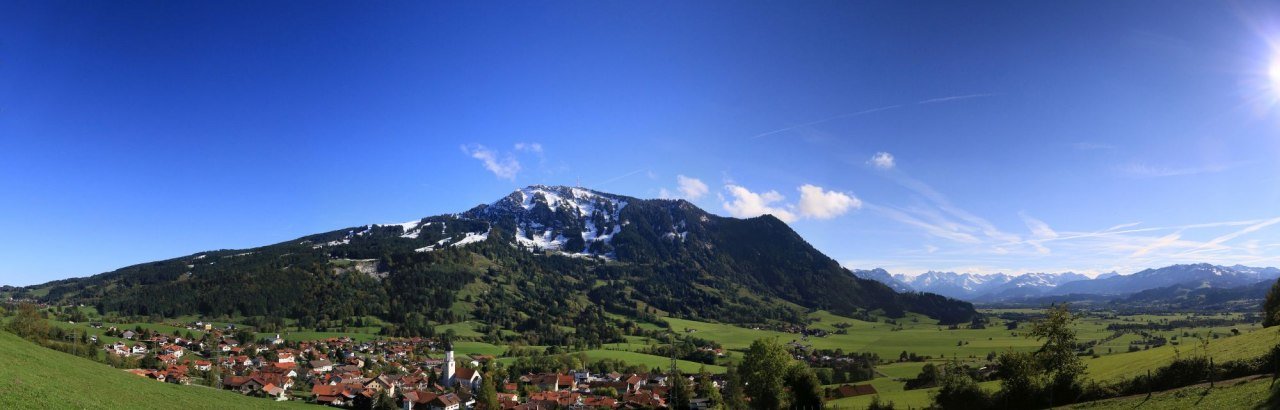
(449, 365)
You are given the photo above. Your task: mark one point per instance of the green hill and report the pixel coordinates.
(1242, 394)
(1246, 346)
(32, 376)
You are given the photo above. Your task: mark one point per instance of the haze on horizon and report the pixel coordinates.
(993, 137)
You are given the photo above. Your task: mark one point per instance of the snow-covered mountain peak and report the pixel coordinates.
(571, 220)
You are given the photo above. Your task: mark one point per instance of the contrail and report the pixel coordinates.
(611, 180)
(954, 98)
(852, 114)
(873, 110)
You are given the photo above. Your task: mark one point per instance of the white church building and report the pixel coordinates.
(455, 376)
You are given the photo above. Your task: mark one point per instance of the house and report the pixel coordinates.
(851, 391)
(644, 400)
(177, 374)
(279, 379)
(138, 348)
(416, 400)
(322, 366)
(332, 395)
(204, 365)
(285, 357)
(277, 392)
(635, 382)
(382, 383)
(175, 350)
(508, 398)
(596, 402)
(128, 334)
(243, 384)
(555, 399)
(421, 400)
(445, 402)
(118, 348)
(551, 381)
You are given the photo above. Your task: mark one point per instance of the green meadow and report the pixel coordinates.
(35, 377)
(1246, 394)
(887, 338)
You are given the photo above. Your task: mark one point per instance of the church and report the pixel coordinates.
(458, 377)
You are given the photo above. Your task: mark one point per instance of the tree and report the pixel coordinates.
(763, 367)
(384, 402)
(929, 376)
(29, 323)
(488, 396)
(1022, 380)
(806, 390)
(706, 389)
(733, 393)
(605, 391)
(1058, 354)
(959, 391)
(876, 404)
(680, 392)
(1271, 308)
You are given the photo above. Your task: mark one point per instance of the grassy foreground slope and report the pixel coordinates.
(32, 376)
(1245, 346)
(1243, 395)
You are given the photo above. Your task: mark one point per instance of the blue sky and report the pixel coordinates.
(981, 137)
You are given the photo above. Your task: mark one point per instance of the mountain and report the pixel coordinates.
(1108, 275)
(1038, 287)
(1201, 275)
(970, 286)
(1188, 296)
(956, 285)
(537, 261)
(883, 276)
(1030, 285)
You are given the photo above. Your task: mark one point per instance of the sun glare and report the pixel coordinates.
(1273, 74)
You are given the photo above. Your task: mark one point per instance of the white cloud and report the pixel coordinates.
(747, 204)
(503, 166)
(1038, 228)
(819, 204)
(882, 160)
(1143, 170)
(529, 146)
(691, 188)
(815, 203)
(1163, 241)
(1216, 242)
(941, 231)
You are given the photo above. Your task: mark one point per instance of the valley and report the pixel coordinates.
(549, 282)
(1119, 353)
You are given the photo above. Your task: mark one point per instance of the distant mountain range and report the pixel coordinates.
(1174, 280)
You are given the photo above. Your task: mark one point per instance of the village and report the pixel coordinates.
(340, 372)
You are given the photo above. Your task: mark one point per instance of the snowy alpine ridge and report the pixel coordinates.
(1004, 287)
(555, 219)
(569, 220)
